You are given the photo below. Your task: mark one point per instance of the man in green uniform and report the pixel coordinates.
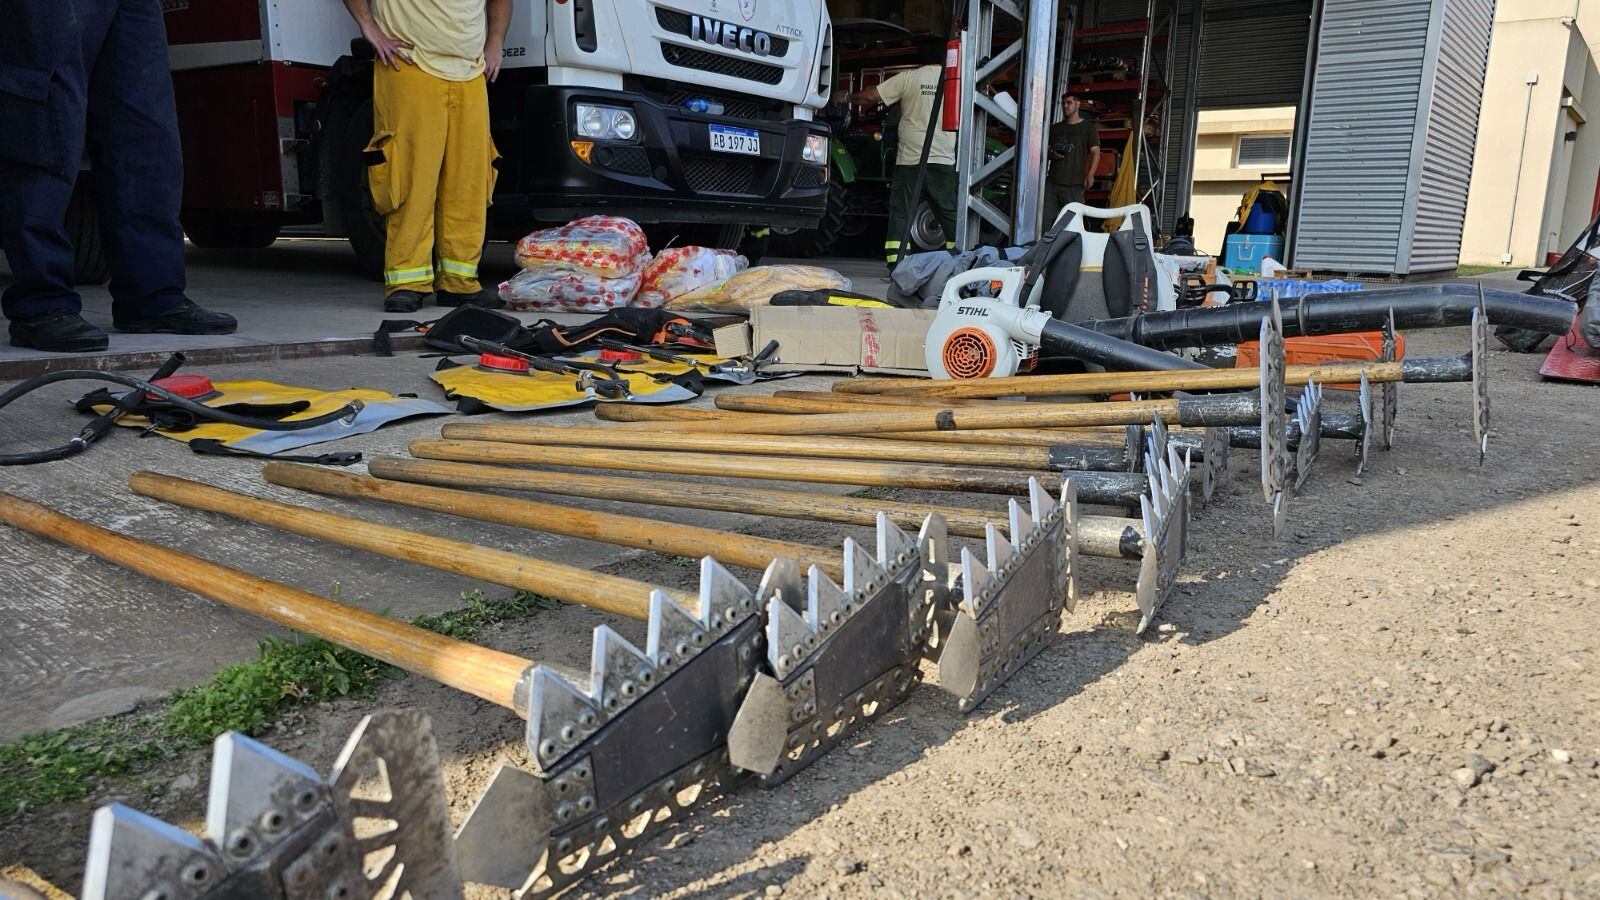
(1074, 153)
(913, 90)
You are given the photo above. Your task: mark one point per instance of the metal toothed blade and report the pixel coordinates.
(998, 550)
(258, 797)
(277, 829)
(1214, 462)
(1021, 523)
(1480, 378)
(1155, 442)
(1364, 442)
(1133, 446)
(618, 671)
(132, 856)
(1308, 416)
(388, 774)
(1011, 606)
(1274, 425)
(851, 657)
(627, 756)
(1165, 517)
(1390, 389)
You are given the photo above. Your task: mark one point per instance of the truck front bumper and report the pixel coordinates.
(668, 173)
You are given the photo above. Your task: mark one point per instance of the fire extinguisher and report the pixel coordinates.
(952, 86)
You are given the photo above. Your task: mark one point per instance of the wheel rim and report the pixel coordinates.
(926, 232)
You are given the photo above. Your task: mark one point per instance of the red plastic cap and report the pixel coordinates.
(620, 356)
(503, 363)
(189, 387)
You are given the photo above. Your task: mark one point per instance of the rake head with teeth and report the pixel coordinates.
(275, 828)
(1010, 604)
(840, 655)
(625, 756)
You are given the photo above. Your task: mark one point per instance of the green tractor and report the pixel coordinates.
(861, 166)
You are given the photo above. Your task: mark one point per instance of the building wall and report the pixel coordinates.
(1518, 218)
(1218, 179)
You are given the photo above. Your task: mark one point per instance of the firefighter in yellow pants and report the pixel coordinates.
(431, 161)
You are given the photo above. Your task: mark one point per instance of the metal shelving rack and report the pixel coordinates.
(1017, 172)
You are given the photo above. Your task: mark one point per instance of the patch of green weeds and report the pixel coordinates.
(67, 763)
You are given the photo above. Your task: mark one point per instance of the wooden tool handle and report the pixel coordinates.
(1120, 382)
(479, 671)
(1027, 415)
(764, 468)
(609, 593)
(785, 445)
(963, 522)
(608, 528)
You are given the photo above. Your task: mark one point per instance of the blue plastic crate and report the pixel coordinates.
(1244, 252)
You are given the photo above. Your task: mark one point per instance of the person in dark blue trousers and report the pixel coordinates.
(91, 74)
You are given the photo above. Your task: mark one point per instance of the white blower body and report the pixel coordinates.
(978, 337)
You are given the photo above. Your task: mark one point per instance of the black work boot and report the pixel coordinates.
(403, 301)
(486, 298)
(187, 318)
(59, 331)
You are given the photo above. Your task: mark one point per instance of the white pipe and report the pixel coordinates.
(1522, 151)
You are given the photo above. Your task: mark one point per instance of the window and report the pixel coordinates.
(1258, 150)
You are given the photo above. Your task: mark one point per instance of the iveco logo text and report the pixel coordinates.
(734, 37)
(972, 311)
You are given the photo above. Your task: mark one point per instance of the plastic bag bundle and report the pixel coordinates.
(756, 287)
(680, 270)
(587, 265)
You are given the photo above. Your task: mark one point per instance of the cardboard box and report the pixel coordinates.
(846, 339)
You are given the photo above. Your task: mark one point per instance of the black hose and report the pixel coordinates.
(84, 438)
(1064, 339)
(1425, 306)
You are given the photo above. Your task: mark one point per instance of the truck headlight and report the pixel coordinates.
(606, 122)
(816, 150)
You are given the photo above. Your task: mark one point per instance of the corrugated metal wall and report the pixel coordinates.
(1356, 181)
(1253, 53)
(1446, 160)
(1180, 129)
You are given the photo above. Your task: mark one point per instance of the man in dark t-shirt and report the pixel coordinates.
(1074, 153)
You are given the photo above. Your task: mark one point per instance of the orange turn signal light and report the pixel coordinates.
(584, 149)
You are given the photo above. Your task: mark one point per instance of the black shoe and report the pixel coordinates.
(403, 301)
(486, 299)
(57, 332)
(187, 318)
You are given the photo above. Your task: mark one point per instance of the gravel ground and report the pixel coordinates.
(1399, 698)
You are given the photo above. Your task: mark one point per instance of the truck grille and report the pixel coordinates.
(627, 160)
(733, 67)
(719, 174)
(731, 106)
(678, 23)
(811, 177)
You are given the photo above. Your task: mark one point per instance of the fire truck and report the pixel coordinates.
(701, 113)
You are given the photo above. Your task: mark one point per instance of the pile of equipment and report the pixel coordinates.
(751, 680)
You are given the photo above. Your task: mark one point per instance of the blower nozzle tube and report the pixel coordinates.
(1423, 306)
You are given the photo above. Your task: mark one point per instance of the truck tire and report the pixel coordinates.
(835, 219)
(89, 263)
(348, 131)
(818, 241)
(214, 230)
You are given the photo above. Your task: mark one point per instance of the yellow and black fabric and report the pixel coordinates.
(828, 297)
(265, 399)
(476, 389)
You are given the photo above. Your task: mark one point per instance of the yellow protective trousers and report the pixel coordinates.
(431, 169)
